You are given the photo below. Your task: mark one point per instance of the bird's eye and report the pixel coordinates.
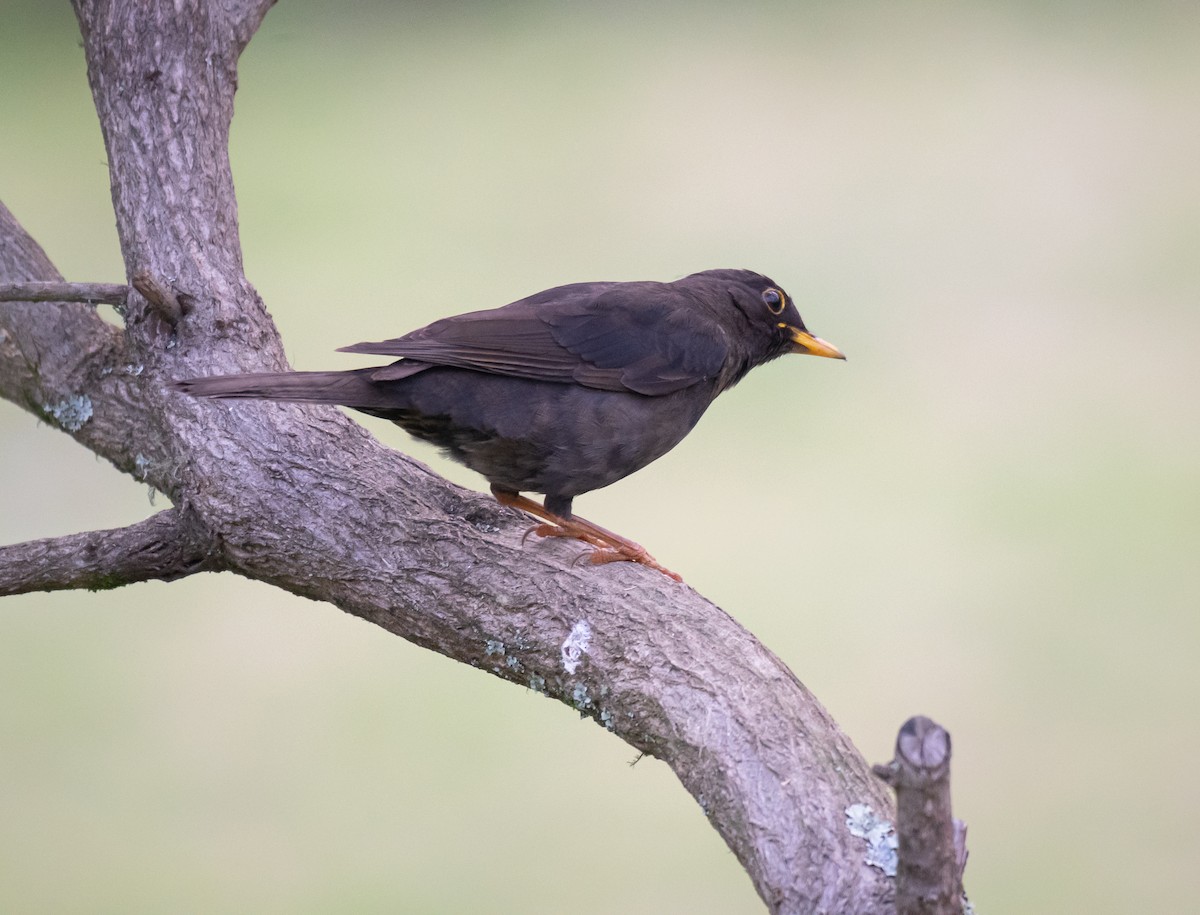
(774, 300)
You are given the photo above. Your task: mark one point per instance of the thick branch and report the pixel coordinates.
(164, 547)
(245, 16)
(932, 851)
(302, 498)
(63, 363)
(86, 293)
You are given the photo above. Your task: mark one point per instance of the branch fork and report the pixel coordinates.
(302, 498)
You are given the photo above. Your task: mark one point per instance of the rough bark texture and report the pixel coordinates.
(164, 547)
(302, 498)
(88, 293)
(932, 844)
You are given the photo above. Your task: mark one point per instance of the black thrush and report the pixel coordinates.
(565, 391)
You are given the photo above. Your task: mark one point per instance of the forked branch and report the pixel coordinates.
(302, 498)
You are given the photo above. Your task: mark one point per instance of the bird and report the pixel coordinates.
(565, 391)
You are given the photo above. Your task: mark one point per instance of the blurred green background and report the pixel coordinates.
(990, 514)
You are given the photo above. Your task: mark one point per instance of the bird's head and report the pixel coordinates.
(771, 318)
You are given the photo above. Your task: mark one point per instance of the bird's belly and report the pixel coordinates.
(610, 435)
(558, 439)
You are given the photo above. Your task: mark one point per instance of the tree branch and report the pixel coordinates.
(932, 850)
(164, 547)
(86, 293)
(245, 16)
(70, 368)
(302, 498)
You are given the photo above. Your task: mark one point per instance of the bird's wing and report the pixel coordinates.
(648, 338)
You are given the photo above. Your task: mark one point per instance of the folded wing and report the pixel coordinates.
(642, 337)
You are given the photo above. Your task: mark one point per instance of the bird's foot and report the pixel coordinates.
(559, 530)
(601, 555)
(606, 546)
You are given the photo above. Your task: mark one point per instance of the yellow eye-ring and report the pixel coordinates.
(775, 300)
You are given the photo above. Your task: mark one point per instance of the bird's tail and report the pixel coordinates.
(353, 388)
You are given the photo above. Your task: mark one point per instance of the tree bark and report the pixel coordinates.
(164, 547)
(87, 293)
(302, 498)
(932, 850)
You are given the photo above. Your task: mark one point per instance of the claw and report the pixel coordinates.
(600, 556)
(541, 530)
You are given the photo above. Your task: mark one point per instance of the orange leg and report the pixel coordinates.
(608, 547)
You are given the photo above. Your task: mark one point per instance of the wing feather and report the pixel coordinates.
(648, 338)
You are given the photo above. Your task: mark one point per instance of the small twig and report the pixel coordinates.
(87, 293)
(164, 547)
(932, 849)
(164, 302)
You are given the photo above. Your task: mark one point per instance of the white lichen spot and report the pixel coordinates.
(882, 853)
(879, 835)
(580, 697)
(72, 412)
(537, 683)
(606, 718)
(493, 646)
(860, 819)
(576, 646)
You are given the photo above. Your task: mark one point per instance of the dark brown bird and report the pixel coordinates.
(565, 391)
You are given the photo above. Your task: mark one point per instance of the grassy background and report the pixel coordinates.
(990, 514)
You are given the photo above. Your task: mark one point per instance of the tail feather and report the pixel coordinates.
(350, 389)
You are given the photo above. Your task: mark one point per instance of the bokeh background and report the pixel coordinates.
(990, 514)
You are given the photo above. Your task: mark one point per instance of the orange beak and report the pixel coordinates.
(806, 344)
